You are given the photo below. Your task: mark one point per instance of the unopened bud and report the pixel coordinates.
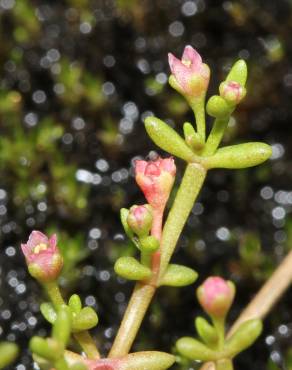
(232, 92)
(140, 219)
(216, 296)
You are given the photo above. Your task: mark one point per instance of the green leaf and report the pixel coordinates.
(75, 303)
(192, 138)
(168, 139)
(78, 366)
(46, 348)
(238, 72)
(62, 326)
(217, 107)
(239, 156)
(129, 268)
(85, 320)
(147, 360)
(48, 311)
(124, 212)
(244, 337)
(149, 244)
(177, 275)
(206, 331)
(194, 350)
(8, 353)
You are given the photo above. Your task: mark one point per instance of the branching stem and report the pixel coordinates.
(265, 299)
(83, 338)
(143, 293)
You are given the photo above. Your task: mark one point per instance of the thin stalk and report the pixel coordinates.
(219, 325)
(198, 108)
(132, 319)
(143, 293)
(87, 343)
(157, 223)
(265, 299)
(187, 193)
(215, 136)
(83, 338)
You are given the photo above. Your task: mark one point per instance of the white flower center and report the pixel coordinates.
(40, 247)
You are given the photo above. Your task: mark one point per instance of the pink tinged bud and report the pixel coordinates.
(42, 256)
(191, 75)
(156, 179)
(140, 219)
(103, 364)
(232, 92)
(216, 296)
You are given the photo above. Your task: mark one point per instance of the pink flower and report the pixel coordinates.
(156, 179)
(190, 75)
(216, 296)
(232, 92)
(42, 256)
(140, 219)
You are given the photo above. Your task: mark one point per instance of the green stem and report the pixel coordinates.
(87, 344)
(132, 319)
(187, 193)
(83, 338)
(198, 107)
(216, 134)
(54, 293)
(146, 258)
(219, 324)
(225, 364)
(61, 364)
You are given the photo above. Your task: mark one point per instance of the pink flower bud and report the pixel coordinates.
(156, 179)
(232, 92)
(140, 219)
(216, 296)
(42, 256)
(191, 75)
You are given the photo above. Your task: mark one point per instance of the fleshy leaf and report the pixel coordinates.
(240, 156)
(168, 139)
(85, 320)
(149, 244)
(48, 312)
(244, 337)
(217, 107)
(46, 348)
(178, 275)
(75, 303)
(8, 353)
(124, 215)
(129, 268)
(192, 138)
(238, 72)
(147, 360)
(78, 366)
(195, 350)
(206, 331)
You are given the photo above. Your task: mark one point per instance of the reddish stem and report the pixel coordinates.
(156, 229)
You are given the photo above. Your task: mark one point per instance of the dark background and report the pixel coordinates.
(77, 78)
